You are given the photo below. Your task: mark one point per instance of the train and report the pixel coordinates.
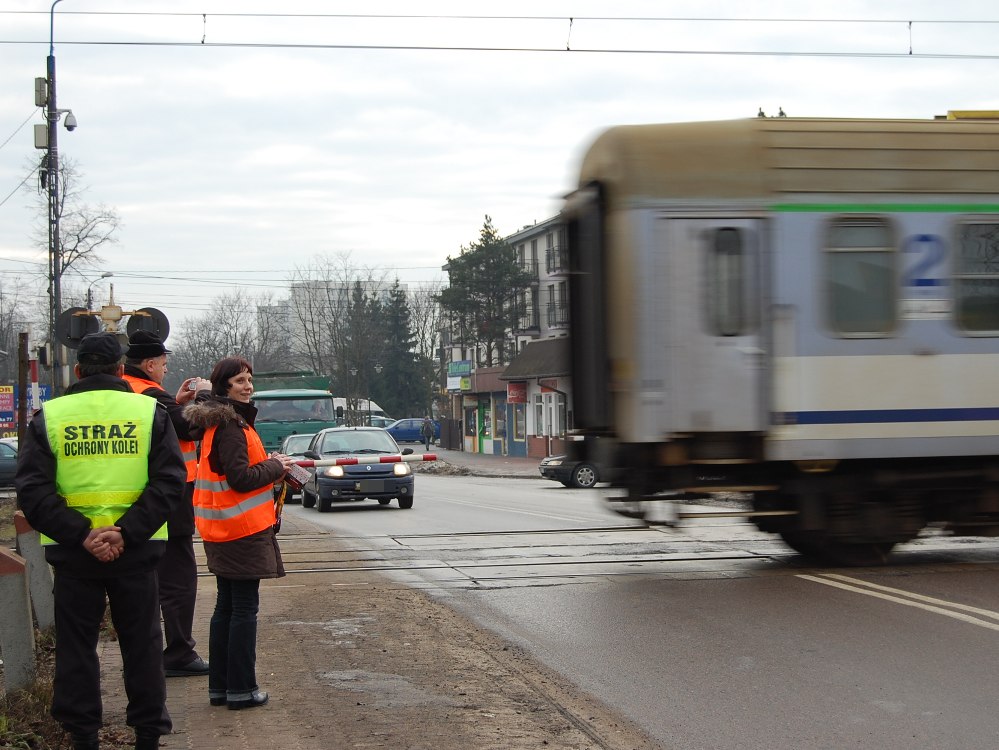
(804, 310)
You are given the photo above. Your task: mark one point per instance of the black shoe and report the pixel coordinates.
(217, 700)
(86, 742)
(151, 742)
(196, 668)
(259, 698)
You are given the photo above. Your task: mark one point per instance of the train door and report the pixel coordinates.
(714, 309)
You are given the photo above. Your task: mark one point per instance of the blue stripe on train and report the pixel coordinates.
(881, 416)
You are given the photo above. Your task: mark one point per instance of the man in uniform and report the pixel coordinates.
(98, 473)
(145, 368)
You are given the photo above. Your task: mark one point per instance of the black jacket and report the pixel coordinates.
(48, 513)
(181, 522)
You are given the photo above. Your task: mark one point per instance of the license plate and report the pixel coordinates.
(371, 485)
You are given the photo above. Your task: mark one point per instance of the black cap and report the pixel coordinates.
(143, 345)
(99, 349)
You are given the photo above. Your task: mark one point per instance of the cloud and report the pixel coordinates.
(253, 159)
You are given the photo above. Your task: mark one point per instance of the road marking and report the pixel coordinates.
(907, 598)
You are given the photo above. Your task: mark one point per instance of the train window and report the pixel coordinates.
(726, 281)
(860, 277)
(976, 277)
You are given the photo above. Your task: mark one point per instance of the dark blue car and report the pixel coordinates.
(369, 478)
(408, 430)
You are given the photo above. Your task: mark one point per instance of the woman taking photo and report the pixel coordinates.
(234, 513)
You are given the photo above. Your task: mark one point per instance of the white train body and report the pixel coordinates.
(807, 310)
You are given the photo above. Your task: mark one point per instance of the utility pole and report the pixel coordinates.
(52, 115)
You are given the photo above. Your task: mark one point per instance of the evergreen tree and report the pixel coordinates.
(403, 387)
(485, 280)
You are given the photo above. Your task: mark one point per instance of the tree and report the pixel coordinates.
(322, 304)
(10, 310)
(427, 323)
(485, 280)
(404, 388)
(84, 229)
(229, 328)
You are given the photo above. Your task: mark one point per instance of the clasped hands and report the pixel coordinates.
(105, 543)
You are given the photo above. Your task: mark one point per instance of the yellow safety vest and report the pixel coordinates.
(101, 441)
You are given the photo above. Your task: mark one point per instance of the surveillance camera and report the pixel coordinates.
(70, 121)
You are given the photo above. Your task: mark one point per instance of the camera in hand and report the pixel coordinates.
(297, 476)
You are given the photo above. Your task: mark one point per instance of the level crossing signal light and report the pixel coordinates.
(76, 322)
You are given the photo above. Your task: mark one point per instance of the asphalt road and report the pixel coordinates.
(716, 636)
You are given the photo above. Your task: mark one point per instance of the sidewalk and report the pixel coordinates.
(480, 464)
(352, 659)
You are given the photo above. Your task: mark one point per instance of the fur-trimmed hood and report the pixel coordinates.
(212, 412)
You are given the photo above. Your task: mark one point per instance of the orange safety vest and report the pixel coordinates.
(221, 513)
(188, 448)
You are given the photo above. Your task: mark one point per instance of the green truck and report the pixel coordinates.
(300, 403)
(290, 403)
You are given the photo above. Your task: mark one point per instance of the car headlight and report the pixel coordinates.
(335, 472)
(401, 469)
(554, 462)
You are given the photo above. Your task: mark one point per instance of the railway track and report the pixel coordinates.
(511, 558)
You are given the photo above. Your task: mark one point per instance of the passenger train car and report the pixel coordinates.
(802, 309)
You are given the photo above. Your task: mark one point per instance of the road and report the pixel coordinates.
(713, 637)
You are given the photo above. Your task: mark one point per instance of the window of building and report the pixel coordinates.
(539, 415)
(558, 407)
(976, 277)
(860, 277)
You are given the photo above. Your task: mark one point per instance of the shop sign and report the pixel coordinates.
(516, 392)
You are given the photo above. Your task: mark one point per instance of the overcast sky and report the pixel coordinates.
(239, 140)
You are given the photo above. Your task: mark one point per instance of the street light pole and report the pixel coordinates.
(378, 370)
(90, 289)
(354, 389)
(52, 169)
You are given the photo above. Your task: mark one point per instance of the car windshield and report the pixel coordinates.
(358, 441)
(294, 409)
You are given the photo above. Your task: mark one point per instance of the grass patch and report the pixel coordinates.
(25, 723)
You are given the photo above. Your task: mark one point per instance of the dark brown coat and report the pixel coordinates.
(257, 555)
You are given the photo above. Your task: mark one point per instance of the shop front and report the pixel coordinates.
(538, 391)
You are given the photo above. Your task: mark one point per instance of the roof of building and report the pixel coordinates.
(544, 358)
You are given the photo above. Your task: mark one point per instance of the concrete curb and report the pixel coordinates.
(29, 546)
(17, 633)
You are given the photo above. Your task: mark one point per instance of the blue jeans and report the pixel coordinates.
(232, 640)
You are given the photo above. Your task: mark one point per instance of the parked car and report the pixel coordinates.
(8, 462)
(408, 430)
(570, 472)
(295, 445)
(381, 421)
(334, 484)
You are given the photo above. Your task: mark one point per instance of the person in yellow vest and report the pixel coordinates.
(235, 515)
(145, 369)
(99, 472)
